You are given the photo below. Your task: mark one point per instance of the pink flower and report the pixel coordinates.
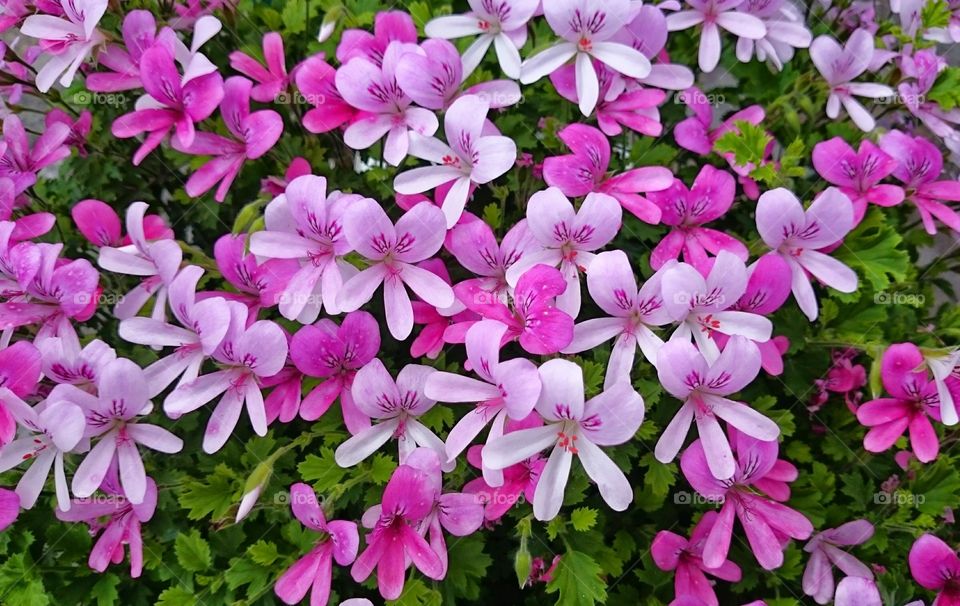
(122, 395)
(588, 30)
(532, 319)
(706, 306)
(100, 224)
(20, 369)
(384, 108)
(388, 27)
(246, 354)
(118, 518)
(254, 134)
(79, 127)
(697, 132)
(686, 210)
(914, 401)
(271, 80)
(507, 389)
(65, 362)
(935, 566)
(316, 81)
(573, 428)
(858, 591)
(502, 23)
(306, 225)
(435, 321)
(261, 283)
(9, 508)
(631, 312)
(768, 524)
(139, 33)
(648, 34)
(714, 15)
(157, 261)
(919, 164)
(172, 103)
(397, 406)
(70, 41)
(394, 542)
(393, 251)
(826, 549)
(433, 78)
(619, 102)
(313, 572)
(567, 238)
(468, 157)
(785, 32)
(335, 354)
(703, 387)
(585, 171)
(796, 235)
(671, 551)
(839, 66)
(857, 174)
(475, 247)
(21, 162)
(203, 324)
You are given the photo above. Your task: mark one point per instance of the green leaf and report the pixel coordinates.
(176, 596)
(492, 215)
(747, 142)
(874, 249)
(583, 518)
(322, 470)
(243, 571)
(104, 591)
(294, 16)
(193, 552)
(659, 477)
(263, 552)
(577, 579)
(935, 13)
(416, 593)
(468, 566)
(212, 497)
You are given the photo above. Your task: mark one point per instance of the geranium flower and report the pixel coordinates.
(648, 34)
(123, 60)
(857, 173)
(573, 428)
(272, 79)
(935, 566)
(316, 81)
(714, 15)
(827, 549)
(100, 225)
(785, 32)
(260, 282)
(65, 362)
(475, 247)
(69, 39)
(20, 161)
(388, 27)
(20, 368)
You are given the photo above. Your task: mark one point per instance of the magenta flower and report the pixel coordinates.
(619, 102)
(156, 261)
(648, 34)
(698, 134)
(20, 368)
(9, 508)
(585, 171)
(914, 400)
(703, 387)
(705, 306)
(394, 541)
(100, 225)
(631, 312)
(122, 395)
(384, 108)
(715, 15)
(588, 31)
(260, 282)
(65, 362)
(839, 66)
(827, 549)
(69, 39)
(573, 428)
(272, 79)
(920, 72)
(393, 251)
(919, 164)
(458, 513)
(388, 26)
(307, 225)
(172, 103)
(139, 33)
(766, 292)
(55, 428)
(335, 354)
(118, 518)
(567, 238)
(397, 406)
(203, 325)
(768, 524)
(532, 319)
(21, 162)
(475, 247)
(339, 540)
(502, 23)
(80, 127)
(254, 134)
(316, 82)
(857, 174)
(935, 566)
(433, 78)
(431, 339)
(796, 235)
(507, 389)
(468, 157)
(686, 210)
(246, 354)
(785, 32)
(672, 552)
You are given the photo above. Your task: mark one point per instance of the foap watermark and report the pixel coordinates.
(898, 498)
(484, 497)
(899, 298)
(86, 97)
(697, 97)
(100, 298)
(284, 497)
(683, 497)
(298, 98)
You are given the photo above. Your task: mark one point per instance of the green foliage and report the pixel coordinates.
(577, 581)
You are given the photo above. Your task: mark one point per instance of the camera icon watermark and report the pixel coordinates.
(898, 498)
(899, 298)
(683, 497)
(696, 97)
(85, 97)
(298, 98)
